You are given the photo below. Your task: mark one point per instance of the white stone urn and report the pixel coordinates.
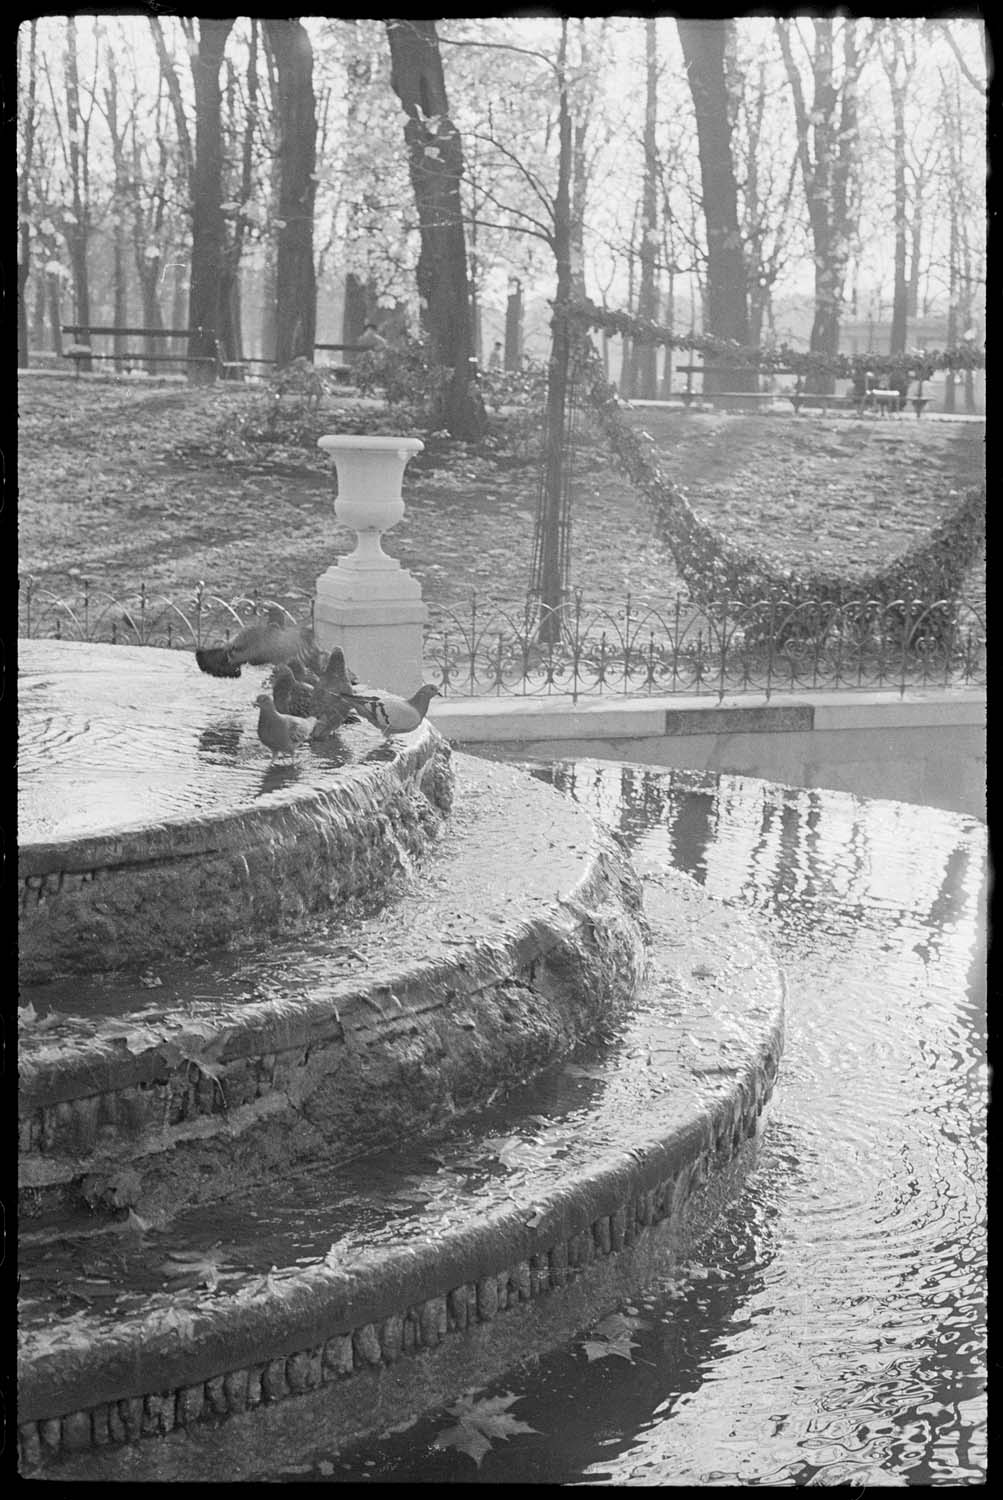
(370, 474)
(366, 603)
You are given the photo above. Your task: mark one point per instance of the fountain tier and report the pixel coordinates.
(151, 823)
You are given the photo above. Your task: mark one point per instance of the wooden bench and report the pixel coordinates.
(129, 358)
(884, 401)
(229, 369)
(816, 399)
(736, 399)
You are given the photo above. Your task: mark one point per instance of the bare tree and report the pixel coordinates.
(28, 121)
(74, 141)
(436, 166)
(644, 374)
(897, 48)
(704, 44)
(827, 139)
(295, 280)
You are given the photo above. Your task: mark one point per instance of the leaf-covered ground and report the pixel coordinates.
(125, 482)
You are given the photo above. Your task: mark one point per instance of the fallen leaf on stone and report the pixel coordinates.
(613, 1336)
(479, 1424)
(600, 1348)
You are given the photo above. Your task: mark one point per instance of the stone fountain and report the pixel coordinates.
(280, 1027)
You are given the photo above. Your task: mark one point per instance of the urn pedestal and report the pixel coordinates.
(366, 603)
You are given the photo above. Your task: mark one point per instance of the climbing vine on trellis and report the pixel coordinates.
(584, 316)
(924, 581)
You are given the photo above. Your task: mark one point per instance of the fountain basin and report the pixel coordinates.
(151, 823)
(372, 1311)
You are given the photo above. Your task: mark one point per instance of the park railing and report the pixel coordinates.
(482, 648)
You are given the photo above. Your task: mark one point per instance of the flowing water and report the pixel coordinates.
(832, 1329)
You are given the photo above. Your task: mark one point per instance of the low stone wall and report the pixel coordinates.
(927, 748)
(401, 1350)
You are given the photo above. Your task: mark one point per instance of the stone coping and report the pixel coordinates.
(152, 718)
(560, 717)
(655, 1151)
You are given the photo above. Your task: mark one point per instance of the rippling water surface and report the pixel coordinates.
(832, 1331)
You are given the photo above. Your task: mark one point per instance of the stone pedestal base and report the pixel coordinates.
(367, 603)
(378, 620)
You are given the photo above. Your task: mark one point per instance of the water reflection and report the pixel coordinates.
(834, 1329)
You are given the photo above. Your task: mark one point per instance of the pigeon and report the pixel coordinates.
(292, 696)
(336, 675)
(281, 733)
(270, 642)
(390, 714)
(332, 696)
(302, 673)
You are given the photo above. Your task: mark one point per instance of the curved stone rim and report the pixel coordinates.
(670, 1182)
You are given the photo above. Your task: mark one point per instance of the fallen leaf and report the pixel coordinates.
(479, 1424)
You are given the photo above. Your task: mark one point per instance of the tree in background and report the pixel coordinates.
(828, 136)
(436, 166)
(27, 55)
(897, 49)
(295, 284)
(643, 375)
(704, 44)
(208, 317)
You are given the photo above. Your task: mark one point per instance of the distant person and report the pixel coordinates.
(495, 359)
(372, 338)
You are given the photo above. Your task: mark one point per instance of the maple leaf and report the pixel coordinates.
(613, 1336)
(479, 1424)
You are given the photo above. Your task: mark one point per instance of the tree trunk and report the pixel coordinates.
(827, 141)
(900, 294)
(668, 319)
(295, 280)
(704, 43)
(644, 375)
(268, 334)
(206, 317)
(38, 312)
(436, 166)
(28, 67)
(513, 325)
(55, 309)
(78, 233)
(550, 581)
(120, 316)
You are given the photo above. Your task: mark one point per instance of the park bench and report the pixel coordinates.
(129, 359)
(734, 400)
(819, 399)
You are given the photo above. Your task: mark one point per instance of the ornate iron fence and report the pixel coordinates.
(483, 648)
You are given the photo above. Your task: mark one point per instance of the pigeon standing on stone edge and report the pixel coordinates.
(290, 695)
(270, 642)
(390, 714)
(333, 694)
(281, 733)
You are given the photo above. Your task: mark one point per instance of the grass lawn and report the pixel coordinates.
(124, 483)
